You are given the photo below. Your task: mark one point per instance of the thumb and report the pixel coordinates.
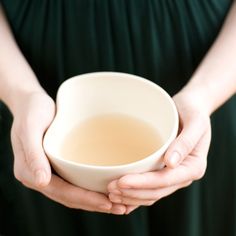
(183, 145)
(38, 165)
(31, 166)
(36, 112)
(35, 157)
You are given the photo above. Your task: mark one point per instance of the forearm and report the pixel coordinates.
(214, 81)
(16, 76)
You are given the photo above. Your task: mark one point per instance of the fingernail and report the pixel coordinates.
(174, 159)
(118, 210)
(40, 177)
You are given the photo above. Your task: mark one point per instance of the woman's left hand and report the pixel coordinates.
(185, 160)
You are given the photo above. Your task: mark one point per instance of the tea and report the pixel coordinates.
(110, 139)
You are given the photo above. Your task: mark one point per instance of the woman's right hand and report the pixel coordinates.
(35, 111)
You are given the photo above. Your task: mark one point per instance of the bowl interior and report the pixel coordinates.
(93, 94)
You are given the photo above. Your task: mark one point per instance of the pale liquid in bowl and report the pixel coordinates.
(110, 139)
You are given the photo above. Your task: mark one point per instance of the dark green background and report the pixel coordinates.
(162, 40)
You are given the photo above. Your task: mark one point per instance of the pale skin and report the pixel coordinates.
(213, 83)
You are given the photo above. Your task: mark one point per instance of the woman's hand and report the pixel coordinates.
(213, 83)
(185, 160)
(34, 113)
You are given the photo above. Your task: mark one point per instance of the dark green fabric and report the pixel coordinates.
(162, 40)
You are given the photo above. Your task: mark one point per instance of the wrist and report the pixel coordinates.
(200, 95)
(17, 97)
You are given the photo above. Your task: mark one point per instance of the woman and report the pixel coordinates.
(163, 41)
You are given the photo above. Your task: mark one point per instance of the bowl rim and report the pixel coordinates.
(158, 152)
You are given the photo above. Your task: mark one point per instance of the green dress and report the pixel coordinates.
(161, 40)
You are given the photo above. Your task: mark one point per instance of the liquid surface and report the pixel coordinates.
(111, 139)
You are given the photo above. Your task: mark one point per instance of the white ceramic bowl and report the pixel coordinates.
(97, 93)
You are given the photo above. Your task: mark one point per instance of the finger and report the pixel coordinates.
(31, 165)
(192, 168)
(35, 157)
(75, 197)
(192, 131)
(145, 197)
(130, 209)
(49, 191)
(113, 187)
(129, 201)
(118, 209)
(38, 164)
(157, 179)
(150, 194)
(21, 171)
